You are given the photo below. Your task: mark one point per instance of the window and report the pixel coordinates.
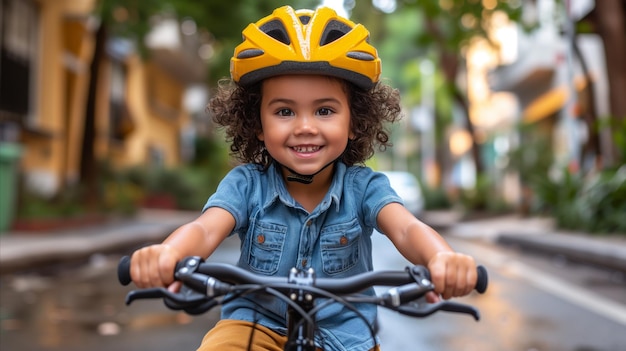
(121, 121)
(18, 49)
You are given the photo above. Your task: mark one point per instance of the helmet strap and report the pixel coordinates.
(294, 176)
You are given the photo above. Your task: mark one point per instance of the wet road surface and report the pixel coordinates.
(81, 307)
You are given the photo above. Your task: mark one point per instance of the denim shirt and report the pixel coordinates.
(277, 234)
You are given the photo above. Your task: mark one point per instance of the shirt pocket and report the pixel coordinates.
(266, 247)
(340, 246)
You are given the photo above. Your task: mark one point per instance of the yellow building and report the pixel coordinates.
(70, 97)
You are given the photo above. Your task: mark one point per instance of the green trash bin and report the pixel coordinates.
(9, 167)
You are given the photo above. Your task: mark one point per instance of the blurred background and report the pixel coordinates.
(509, 105)
(511, 108)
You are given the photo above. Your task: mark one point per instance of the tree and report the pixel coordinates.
(608, 20)
(449, 26)
(222, 21)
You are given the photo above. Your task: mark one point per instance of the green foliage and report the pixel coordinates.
(189, 186)
(457, 21)
(483, 197)
(619, 137)
(435, 198)
(223, 21)
(531, 159)
(596, 203)
(66, 204)
(121, 192)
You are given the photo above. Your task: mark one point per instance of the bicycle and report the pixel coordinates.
(207, 285)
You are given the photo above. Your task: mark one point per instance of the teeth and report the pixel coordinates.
(306, 148)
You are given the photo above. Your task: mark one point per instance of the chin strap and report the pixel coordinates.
(294, 176)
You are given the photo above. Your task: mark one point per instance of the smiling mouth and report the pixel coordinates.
(306, 149)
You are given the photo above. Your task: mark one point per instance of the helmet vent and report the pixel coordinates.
(363, 56)
(333, 31)
(276, 30)
(250, 53)
(305, 19)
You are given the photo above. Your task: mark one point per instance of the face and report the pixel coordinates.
(305, 121)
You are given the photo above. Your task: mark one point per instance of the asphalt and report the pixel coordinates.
(22, 251)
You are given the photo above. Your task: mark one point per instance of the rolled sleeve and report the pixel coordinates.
(233, 194)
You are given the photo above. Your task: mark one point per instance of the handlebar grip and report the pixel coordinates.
(482, 280)
(123, 270)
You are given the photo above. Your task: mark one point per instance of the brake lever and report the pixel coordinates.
(184, 298)
(152, 293)
(424, 310)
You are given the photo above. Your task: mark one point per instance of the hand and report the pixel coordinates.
(453, 275)
(153, 266)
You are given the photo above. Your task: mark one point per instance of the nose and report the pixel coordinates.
(305, 124)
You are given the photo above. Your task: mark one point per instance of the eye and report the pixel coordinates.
(284, 112)
(324, 111)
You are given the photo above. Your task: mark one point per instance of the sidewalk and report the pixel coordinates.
(537, 235)
(26, 250)
(21, 250)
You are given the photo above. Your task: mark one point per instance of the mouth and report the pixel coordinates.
(305, 149)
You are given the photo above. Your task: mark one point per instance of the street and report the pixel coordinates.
(532, 303)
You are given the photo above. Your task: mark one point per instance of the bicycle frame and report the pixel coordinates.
(297, 326)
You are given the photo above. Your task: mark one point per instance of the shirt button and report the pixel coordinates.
(343, 240)
(309, 222)
(304, 262)
(260, 238)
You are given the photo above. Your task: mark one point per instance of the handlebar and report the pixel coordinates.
(204, 282)
(232, 274)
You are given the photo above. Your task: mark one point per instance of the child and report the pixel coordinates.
(305, 109)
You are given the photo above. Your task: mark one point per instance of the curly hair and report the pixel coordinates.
(237, 110)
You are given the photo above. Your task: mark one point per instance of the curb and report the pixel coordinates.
(74, 248)
(537, 235)
(573, 247)
(23, 251)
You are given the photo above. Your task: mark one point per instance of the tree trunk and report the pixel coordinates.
(589, 113)
(88, 164)
(608, 20)
(449, 63)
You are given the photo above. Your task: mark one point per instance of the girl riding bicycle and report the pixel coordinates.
(303, 111)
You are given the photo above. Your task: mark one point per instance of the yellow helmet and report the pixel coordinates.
(305, 42)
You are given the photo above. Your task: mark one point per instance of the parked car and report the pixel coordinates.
(408, 188)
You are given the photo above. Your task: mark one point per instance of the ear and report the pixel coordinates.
(351, 136)
(260, 136)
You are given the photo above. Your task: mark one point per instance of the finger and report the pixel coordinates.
(167, 263)
(438, 275)
(153, 268)
(135, 273)
(472, 279)
(460, 284)
(175, 286)
(467, 275)
(451, 279)
(138, 271)
(431, 297)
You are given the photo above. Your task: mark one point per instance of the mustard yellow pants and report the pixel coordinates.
(234, 335)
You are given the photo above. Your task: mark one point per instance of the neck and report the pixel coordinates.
(311, 194)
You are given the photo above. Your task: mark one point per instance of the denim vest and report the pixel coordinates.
(277, 234)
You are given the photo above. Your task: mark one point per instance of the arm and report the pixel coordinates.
(453, 274)
(153, 266)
